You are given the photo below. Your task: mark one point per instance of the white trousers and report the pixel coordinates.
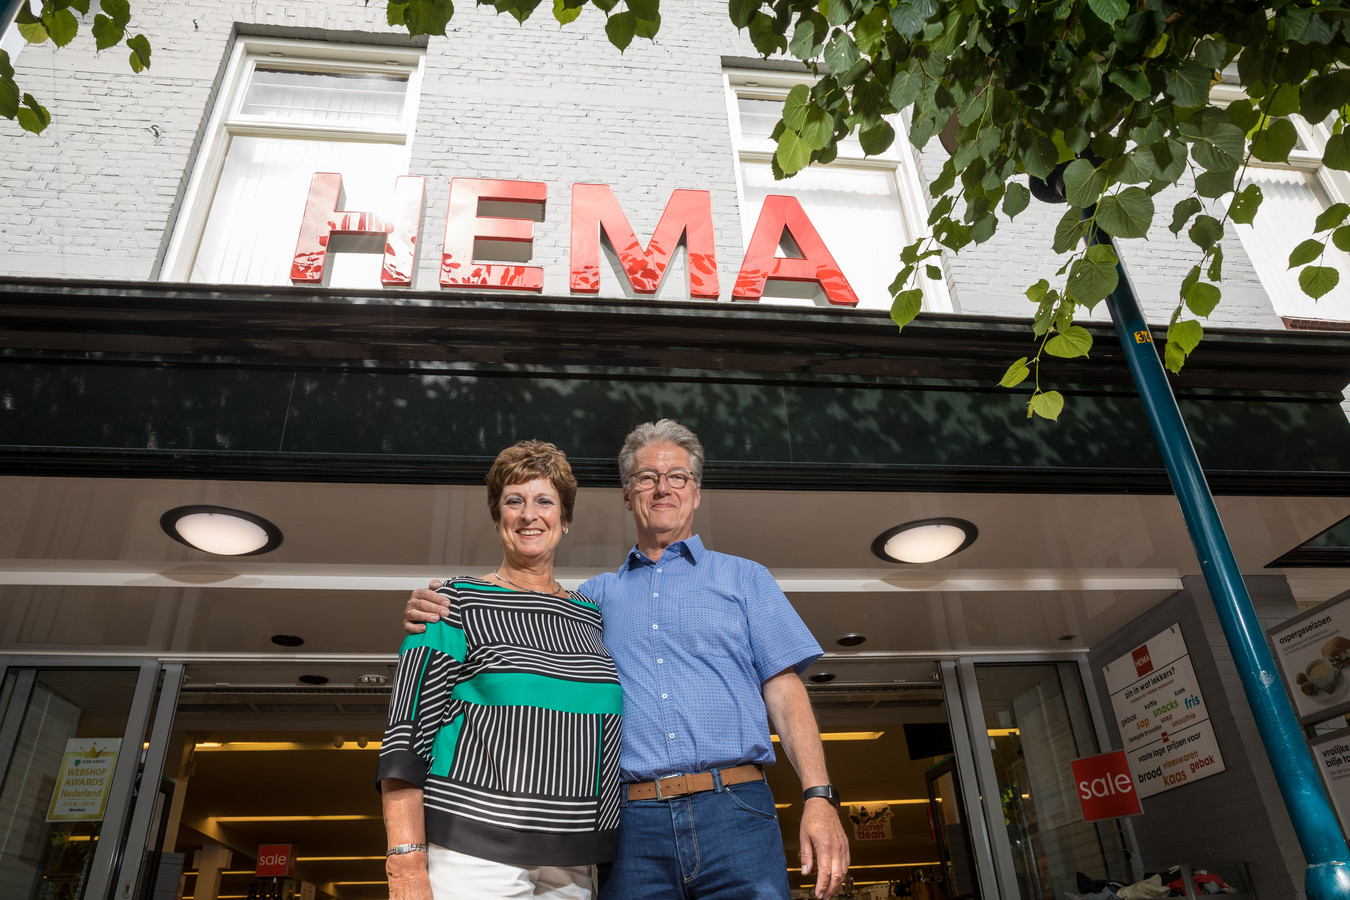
(458, 876)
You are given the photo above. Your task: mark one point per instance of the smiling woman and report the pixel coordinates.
(499, 768)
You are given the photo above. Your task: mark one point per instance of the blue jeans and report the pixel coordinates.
(713, 845)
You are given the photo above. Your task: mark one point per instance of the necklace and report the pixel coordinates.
(557, 588)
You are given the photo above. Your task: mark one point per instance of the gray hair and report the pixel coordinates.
(666, 431)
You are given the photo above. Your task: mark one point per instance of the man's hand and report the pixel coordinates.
(424, 605)
(824, 846)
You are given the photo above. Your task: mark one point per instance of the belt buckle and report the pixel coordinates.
(657, 782)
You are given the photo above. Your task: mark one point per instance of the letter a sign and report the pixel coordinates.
(1105, 786)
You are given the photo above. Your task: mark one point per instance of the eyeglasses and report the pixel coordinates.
(678, 479)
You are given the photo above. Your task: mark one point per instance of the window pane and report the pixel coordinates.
(1038, 722)
(856, 211)
(255, 217)
(1291, 202)
(328, 98)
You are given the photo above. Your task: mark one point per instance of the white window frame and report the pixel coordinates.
(227, 121)
(1305, 157)
(900, 160)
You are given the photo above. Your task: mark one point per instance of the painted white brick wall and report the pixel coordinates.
(94, 195)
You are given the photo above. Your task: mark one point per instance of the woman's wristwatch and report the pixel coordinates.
(405, 848)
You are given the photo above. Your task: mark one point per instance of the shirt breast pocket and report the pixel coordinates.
(714, 625)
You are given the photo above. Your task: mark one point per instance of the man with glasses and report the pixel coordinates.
(708, 649)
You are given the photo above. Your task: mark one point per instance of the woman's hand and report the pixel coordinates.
(408, 876)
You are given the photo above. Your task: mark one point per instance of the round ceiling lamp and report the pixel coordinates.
(925, 540)
(220, 530)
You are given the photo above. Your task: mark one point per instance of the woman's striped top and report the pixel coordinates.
(506, 713)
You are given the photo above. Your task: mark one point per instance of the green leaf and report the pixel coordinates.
(818, 127)
(1015, 199)
(1109, 11)
(1083, 183)
(1069, 230)
(1174, 357)
(1317, 281)
(62, 26)
(621, 28)
(1305, 252)
(876, 139)
(1186, 334)
(1016, 374)
(1182, 212)
(1093, 277)
(1337, 153)
(140, 52)
(1127, 214)
(795, 106)
(1206, 231)
(106, 32)
(30, 26)
(808, 40)
(1215, 271)
(118, 10)
(792, 154)
(1333, 215)
(1073, 342)
(841, 52)
(909, 16)
(1133, 81)
(607, 6)
(1341, 238)
(648, 16)
(1046, 404)
(741, 11)
(1283, 101)
(33, 116)
(1202, 298)
(1274, 143)
(1038, 291)
(1215, 184)
(1189, 85)
(426, 16)
(1216, 143)
(906, 306)
(1244, 205)
(564, 13)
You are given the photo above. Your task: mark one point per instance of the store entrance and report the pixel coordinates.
(286, 766)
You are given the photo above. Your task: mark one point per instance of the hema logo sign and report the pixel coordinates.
(490, 231)
(1143, 664)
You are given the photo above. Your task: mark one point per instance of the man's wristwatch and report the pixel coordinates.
(822, 790)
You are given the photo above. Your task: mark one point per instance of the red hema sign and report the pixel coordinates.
(1143, 663)
(276, 860)
(1105, 786)
(491, 219)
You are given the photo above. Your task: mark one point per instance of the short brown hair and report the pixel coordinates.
(525, 461)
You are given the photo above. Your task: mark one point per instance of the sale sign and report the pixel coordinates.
(1105, 786)
(276, 860)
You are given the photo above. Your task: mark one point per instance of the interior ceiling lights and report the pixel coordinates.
(221, 530)
(924, 540)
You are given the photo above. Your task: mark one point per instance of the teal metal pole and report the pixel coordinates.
(1315, 823)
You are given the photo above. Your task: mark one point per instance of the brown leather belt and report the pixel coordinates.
(692, 783)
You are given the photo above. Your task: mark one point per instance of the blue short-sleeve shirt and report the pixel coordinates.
(694, 636)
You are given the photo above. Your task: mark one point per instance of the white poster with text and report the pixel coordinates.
(1161, 715)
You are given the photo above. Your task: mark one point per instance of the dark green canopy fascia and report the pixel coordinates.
(167, 380)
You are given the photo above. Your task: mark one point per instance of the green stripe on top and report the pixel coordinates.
(439, 636)
(541, 692)
(443, 748)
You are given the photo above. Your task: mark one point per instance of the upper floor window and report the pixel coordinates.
(286, 110)
(1293, 195)
(865, 208)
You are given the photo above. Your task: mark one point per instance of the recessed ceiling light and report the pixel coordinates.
(850, 640)
(287, 640)
(823, 677)
(221, 530)
(925, 540)
(313, 679)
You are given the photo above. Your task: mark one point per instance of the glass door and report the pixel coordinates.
(73, 744)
